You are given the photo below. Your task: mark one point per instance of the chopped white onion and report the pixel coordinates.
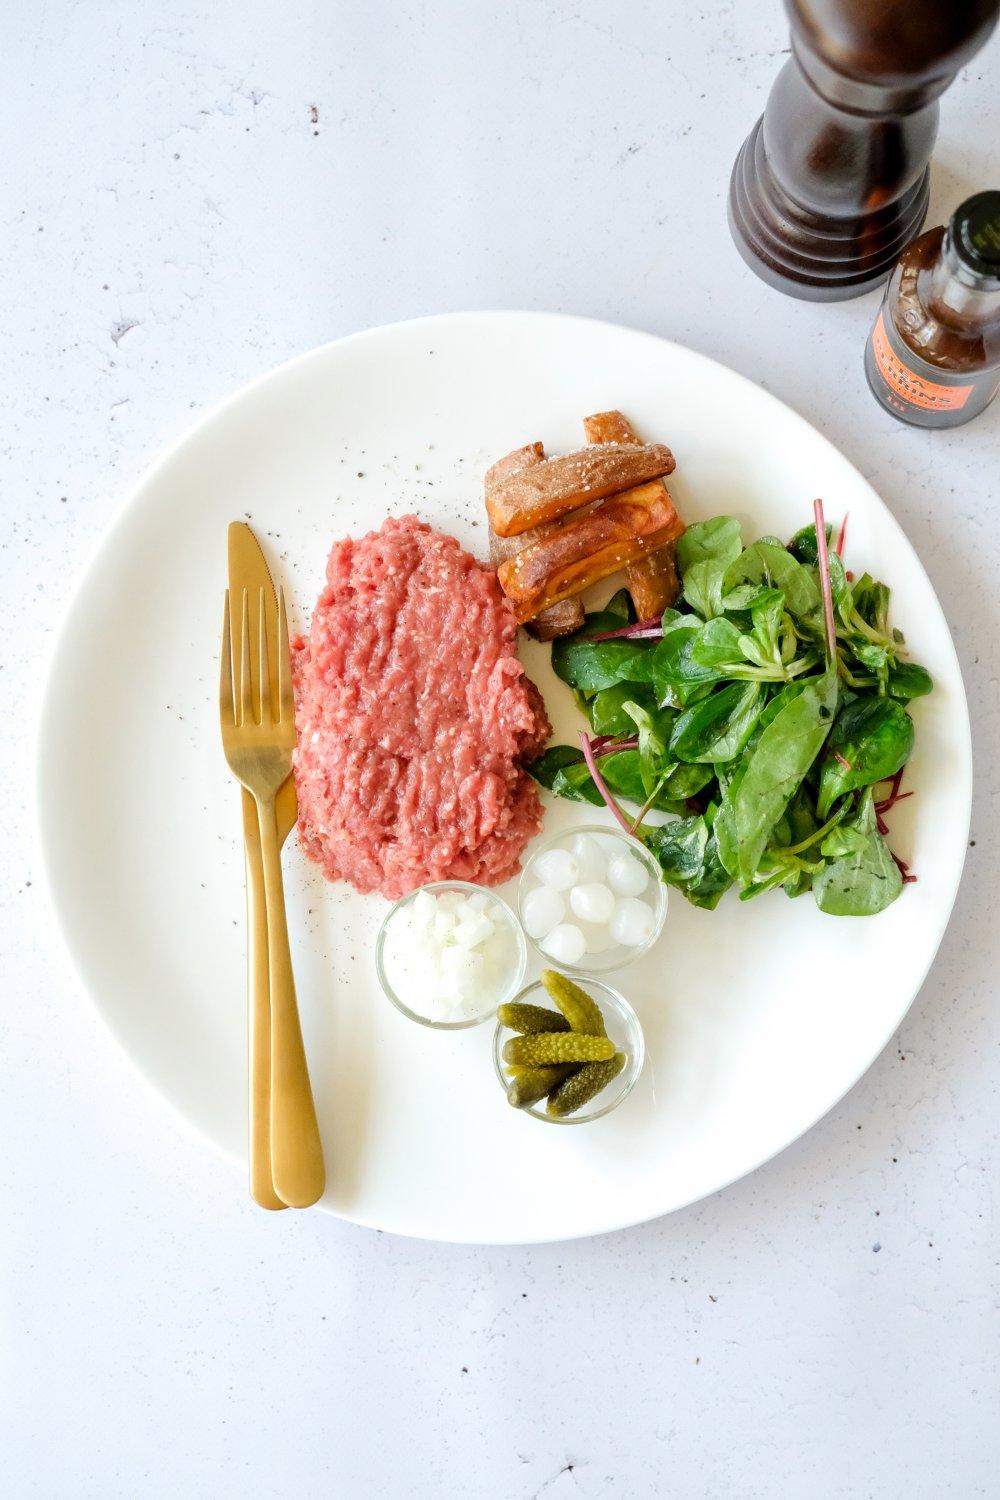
(424, 907)
(443, 925)
(472, 930)
(450, 955)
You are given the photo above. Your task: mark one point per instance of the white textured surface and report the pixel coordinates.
(173, 225)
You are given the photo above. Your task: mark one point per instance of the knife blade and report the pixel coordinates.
(248, 570)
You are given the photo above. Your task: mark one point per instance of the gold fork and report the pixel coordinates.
(259, 752)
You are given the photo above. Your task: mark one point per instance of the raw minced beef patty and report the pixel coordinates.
(414, 717)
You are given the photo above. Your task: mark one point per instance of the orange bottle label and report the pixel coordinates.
(912, 388)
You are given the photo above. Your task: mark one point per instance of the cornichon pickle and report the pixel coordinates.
(545, 1047)
(576, 1091)
(528, 1085)
(582, 1013)
(526, 1018)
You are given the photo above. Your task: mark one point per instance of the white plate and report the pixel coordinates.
(757, 1017)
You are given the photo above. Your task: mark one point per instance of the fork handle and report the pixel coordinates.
(259, 1027)
(296, 1150)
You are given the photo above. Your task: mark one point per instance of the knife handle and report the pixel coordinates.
(258, 1028)
(296, 1149)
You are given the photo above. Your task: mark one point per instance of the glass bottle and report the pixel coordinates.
(933, 356)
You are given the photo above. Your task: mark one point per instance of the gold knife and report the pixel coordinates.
(248, 570)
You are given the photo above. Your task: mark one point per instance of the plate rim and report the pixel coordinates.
(133, 499)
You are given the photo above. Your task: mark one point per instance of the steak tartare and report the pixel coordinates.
(414, 717)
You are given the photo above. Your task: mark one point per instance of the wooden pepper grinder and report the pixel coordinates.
(832, 181)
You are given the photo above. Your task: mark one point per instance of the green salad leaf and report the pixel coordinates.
(759, 735)
(718, 727)
(861, 878)
(871, 739)
(689, 860)
(606, 709)
(776, 768)
(906, 680)
(772, 565)
(703, 554)
(592, 666)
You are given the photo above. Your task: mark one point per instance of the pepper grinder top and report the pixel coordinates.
(832, 181)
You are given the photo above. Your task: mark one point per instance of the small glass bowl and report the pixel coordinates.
(656, 892)
(623, 1028)
(494, 904)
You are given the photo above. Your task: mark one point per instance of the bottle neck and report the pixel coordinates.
(953, 296)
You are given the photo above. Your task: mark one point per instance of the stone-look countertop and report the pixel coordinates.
(193, 193)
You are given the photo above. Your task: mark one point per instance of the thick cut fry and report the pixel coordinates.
(559, 619)
(609, 427)
(538, 493)
(654, 582)
(619, 531)
(566, 616)
(513, 463)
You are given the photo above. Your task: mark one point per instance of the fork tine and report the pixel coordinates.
(227, 708)
(286, 702)
(247, 715)
(266, 711)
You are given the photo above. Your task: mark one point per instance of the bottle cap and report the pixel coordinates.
(975, 234)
